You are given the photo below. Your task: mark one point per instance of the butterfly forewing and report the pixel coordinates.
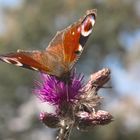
(30, 60)
(69, 43)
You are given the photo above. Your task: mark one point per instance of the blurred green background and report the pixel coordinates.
(115, 43)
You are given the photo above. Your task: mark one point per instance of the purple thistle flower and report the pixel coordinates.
(76, 103)
(56, 91)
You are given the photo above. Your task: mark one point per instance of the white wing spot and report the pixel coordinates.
(92, 21)
(33, 68)
(87, 33)
(5, 60)
(73, 33)
(18, 64)
(19, 57)
(80, 48)
(8, 60)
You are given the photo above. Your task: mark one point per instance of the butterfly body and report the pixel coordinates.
(62, 52)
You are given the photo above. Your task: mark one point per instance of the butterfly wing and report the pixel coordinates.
(62, 52)
(44, 61)
(76, 36)
(70, 42)
(30, 60)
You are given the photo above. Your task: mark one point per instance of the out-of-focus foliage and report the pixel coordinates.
(31, 25)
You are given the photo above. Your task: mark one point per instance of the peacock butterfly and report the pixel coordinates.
(62, 52)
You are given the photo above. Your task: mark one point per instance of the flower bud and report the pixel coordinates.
(86, 121)
(49, 119)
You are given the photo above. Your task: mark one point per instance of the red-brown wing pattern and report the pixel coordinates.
(76, 36)
(45, 61)
(68, 44)
(62, 52)
(30, 60)
(56, 49)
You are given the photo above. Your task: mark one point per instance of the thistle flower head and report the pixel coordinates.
(77, 104)
(56, 91)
